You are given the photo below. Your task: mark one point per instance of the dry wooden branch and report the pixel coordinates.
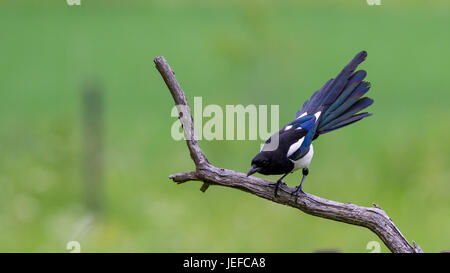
(373, 218)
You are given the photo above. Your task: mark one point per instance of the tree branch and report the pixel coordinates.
(373, 218)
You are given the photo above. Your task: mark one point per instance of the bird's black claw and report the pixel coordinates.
(298, 190)
(279, 181)
(277, 185)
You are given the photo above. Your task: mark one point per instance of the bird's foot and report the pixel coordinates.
(277, 185)
(298, 190)
(279, 181)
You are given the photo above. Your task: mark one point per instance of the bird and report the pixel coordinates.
(336, 104)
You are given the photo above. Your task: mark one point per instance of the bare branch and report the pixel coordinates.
(373, 218)
(180, 100)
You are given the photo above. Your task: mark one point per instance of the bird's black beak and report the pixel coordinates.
(253, 170)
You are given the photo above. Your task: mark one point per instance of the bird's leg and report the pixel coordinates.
(278, 184)
(305, 172)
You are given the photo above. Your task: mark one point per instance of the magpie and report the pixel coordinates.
(337, 104)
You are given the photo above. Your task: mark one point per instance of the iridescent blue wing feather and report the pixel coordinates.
(301, 147)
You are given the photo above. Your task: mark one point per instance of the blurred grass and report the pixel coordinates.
(228, 52)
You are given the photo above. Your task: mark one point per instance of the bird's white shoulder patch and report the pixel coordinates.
(294, 147)
(288, 127)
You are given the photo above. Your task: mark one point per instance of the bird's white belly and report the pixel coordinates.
(304, 161)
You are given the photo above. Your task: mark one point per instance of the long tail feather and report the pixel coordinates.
(355, 108)
(340, 99)
(345, 102)
(346, 122)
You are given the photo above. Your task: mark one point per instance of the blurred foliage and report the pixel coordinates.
(228, 52)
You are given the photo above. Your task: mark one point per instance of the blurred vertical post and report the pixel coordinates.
(92, 104)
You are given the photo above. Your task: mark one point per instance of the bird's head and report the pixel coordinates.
(259, 163)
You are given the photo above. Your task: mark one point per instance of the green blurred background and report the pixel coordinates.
(228, 52)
